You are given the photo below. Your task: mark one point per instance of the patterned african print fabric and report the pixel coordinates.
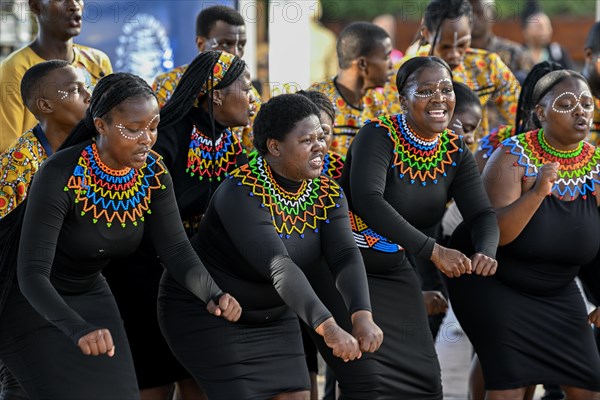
(110, 196)
(494, 139)
(349, 119)
(164, 86)
(212, 160)
(297, 212)
(18, 165)
(578, 170)
(486, 75)
(367, 238)
(419, 160)
(333, 164)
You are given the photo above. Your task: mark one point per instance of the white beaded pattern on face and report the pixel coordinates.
(128, 136)
(430, 95)
(64, 94)
(576, 100)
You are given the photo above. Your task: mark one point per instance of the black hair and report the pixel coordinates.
(438, 11)
(547, 82)
(465, 97)
(110, 92)
(278, 117)
(525, 117)
(198, 73)
(531, 8)
(321, 100)
(33, 79)
(593, 39)
(358, 39)
(416, 64)
(207, 19)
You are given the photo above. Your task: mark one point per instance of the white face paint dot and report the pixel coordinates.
(570, 97)
(63, 93)
(134, 136)
(430, 95)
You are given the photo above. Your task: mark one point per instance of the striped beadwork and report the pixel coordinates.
(212, 160)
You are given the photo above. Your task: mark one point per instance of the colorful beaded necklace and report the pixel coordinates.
(290, 212)
(492, 141)
(578, 170)
(109, 194)
(333, 163)
(420, 158)
(212, 160)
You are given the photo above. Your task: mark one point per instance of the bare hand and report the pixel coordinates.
(343, 344)
(435, 302)
(228, 308)
(483, 265)
(547, 175)
(368, 334)
(594, 317)
(451, 262)
(96, 343)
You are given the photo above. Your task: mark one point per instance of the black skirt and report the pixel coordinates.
(50, 366)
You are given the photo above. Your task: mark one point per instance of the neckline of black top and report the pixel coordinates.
(286, 184)
(201, 120)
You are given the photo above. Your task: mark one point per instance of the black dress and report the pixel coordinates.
(398, 186)
(261, 237)
(79, 215)
(528, 323)
(188, 153)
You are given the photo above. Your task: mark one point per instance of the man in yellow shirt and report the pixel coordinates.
(58, 24)
(591, 71)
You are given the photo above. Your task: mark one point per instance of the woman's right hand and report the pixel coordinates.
(451, 262)
(343, 344)
(547, 175)
(228, 308)
(96, 343)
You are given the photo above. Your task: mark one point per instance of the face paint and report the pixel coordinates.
(427, 94)
(64, 94)
(567, 102)
(133, 135)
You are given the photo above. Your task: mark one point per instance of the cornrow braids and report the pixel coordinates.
(416, 64)
(438, 11)
(549, 81)
(188, 90)
(321, 101)
(109, 93)
(525, 118)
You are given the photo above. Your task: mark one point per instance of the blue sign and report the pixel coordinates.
(145, 38)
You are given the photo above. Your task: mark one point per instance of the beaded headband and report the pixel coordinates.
(219, 71)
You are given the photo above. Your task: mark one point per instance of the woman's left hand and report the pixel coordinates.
(594, 317)
(483, 265)
(228, 308)
(366, 332)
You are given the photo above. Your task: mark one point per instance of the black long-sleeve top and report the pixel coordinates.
(399, 201)
(71, 230)
(260, 251)
(192, 135)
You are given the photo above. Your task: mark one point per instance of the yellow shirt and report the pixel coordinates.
(15, 118)
(485, 74)
(595, 130)
(164, 86)
(349, 119)
(17, 167)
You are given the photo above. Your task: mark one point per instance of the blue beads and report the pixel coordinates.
(453, 164)
(412, 181)
(251, 194)
(302, 236)
(401, 176)
(327, 221)
(424, 183)
(316, 230)
(337, 205)
(262, 205)
(287, 236)
(435, 181)
(239, 183)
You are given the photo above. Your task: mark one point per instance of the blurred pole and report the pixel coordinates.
(597, 10)
(250, 12)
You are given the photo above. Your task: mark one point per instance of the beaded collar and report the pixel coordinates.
(290, 212)
(578, 170)
(333, 163)
(212, 160)
(109, 194)
(492, 141)
(420, 158)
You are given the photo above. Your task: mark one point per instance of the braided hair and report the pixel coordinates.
(110, 92)
(321, 101)
(438, 11)
(547, 82)
(525, 117)
(416, 64)
(189, 89)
